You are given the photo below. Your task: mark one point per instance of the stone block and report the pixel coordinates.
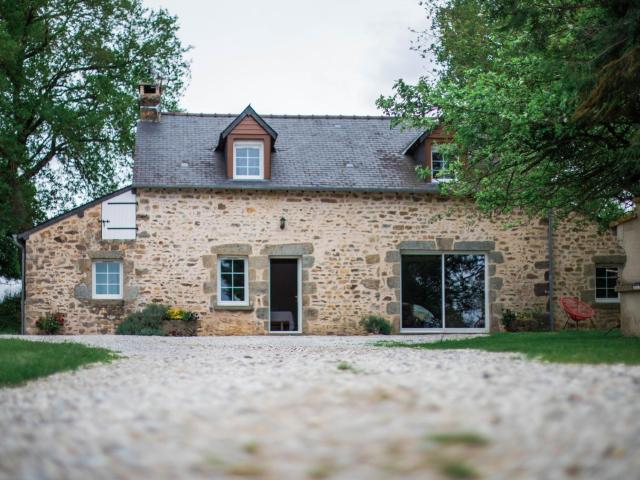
(208, 261)
(393, 282)
(393, 308)
(372, 259)
(495, 283)
(475, 246)
(417, 245)
(495, 257)
(392, 256)
(371, 283)
(288, 249)
(82, 292)
(106, 254)
(243, 249)
(131, 292)
(444, 243)
(610, 259)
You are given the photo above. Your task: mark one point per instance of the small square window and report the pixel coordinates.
(439, 165)
(606, 282)
(248, 159)
(233, 281)
(107, 279)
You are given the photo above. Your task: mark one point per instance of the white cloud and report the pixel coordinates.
(296, 56)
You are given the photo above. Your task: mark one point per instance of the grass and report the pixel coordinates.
(23, 360)
(457, 469)
(567, 346)
(347, 367)
(467, 439)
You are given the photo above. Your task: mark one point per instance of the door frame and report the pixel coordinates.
(444, 329)
(298, 289)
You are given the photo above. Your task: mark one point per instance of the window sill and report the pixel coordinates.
(606, 305)
(237, 308)
(107, 301)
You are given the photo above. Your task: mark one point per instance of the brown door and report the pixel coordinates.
(284, 294)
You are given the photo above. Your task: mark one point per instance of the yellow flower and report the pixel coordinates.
(175, 313)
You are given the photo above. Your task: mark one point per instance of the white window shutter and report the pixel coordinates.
(119, 217)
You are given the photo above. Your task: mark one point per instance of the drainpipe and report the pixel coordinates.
(23, 257)
(550, 254)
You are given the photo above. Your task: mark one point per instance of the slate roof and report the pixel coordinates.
(312, 153)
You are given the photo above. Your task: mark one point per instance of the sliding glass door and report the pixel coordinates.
(445, 292)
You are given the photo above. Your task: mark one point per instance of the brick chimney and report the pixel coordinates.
(149, 100)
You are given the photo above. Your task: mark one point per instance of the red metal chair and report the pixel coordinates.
(576, 310)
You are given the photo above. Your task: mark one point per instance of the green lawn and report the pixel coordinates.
(561, 347)
(22, 360)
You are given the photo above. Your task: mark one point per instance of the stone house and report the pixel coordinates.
(302, 224)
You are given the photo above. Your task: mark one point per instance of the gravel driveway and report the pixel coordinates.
(279, 408)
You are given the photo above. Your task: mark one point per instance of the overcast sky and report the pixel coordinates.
(296, 56)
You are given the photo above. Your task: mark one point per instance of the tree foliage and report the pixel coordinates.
(68, 76)
(542, 98)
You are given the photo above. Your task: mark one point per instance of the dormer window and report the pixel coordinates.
(248, 160)
(439, 164)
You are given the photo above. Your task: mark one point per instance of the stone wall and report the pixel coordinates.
(349, 245)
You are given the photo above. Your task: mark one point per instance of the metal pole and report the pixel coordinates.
(550, 254)
(23, 256)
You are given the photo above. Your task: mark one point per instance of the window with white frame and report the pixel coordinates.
(248, 160)
(606, 281)
(439, 164)
(233, 281)
(107, 279)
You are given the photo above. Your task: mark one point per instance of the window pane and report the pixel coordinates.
(601, 282)
(113, 267)
(254, 171)
(242, 152)
(421, 291)
(225, 265)
(226, 280)
(114, 289)
(101, 267)
(238, 280)
(114, 278)
(238, 294)
(601, 293)
(101, 289)
(238, 265)
(464, 291)
(101, 278)
(241, 162)
(225, 295)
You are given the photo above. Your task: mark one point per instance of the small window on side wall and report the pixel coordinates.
(248, 160)
(606, 281)
(233, 281)
(439, 165)
(107, 280)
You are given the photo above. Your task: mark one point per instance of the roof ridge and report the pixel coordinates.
(311, 116)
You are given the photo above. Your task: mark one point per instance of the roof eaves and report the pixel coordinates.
(428, 189)
(24, 235)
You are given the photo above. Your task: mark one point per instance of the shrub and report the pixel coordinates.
(509, 320)
(10, 313)
(148, 321)
(376, 324)
(51, 323)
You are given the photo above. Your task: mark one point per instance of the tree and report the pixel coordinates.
(68, 76)
(542, 98)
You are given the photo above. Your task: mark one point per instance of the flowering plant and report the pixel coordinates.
(50, 323)
(175, 313)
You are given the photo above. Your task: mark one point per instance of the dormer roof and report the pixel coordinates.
(247, 112)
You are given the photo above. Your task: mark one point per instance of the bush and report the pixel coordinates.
(10, 313)
(148, 321)
(51, 323)
(509, 320)
(376, 324)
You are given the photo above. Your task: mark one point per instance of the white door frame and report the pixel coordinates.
(444, 328)
(298, 289)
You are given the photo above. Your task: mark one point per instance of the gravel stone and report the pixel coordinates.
(279, 408)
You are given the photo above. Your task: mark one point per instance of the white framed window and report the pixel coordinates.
(233, 281)
(248, 160)
(439, 165)
(606, 282)
(107, 279)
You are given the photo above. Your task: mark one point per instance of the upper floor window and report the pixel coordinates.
(606, 281)
(107, 279)
(248, 160)
(439, 165)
